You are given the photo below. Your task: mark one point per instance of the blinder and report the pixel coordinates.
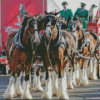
(49, 18)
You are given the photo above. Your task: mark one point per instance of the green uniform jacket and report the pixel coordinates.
(68, 16)
(83, 16)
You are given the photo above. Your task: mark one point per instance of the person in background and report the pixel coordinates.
(67, 15)
(82, 13)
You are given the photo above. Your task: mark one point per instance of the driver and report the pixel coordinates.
(82, 13)
(67, 15)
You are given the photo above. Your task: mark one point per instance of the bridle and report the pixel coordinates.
(34, 21)
(49, 17)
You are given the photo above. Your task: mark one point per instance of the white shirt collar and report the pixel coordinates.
(65, 9)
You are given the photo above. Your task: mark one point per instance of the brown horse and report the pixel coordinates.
(54, 55)
(87, 47)
(20, 52)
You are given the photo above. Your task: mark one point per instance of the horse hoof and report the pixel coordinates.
(47, 95)
(18, 92)
(8, 96)
(83, 83)
(74, 83)
(55, 92)
(70, 87)
(63, 96)
(38, 89)
(77, 80)
(29, 87)
(94, 77)
(26, 96)
(43, 82)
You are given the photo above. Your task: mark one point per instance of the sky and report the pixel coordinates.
(74, 4)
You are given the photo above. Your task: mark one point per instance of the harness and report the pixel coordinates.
(17, 42)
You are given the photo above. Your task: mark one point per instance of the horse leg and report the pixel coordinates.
(90, 69)
(23, 84)
(55, 91)
(85, 73)
(38, 82)
(73, 71)
(9, 93)
(62, 75)
(35, 78)
(82, 72)
(77, 72)
(43, 81)
(94, 73)
(70, 85)
(18, 87)
(26, 93)
(62, 80)
(48, 89)
(30, 80)
(73, 78)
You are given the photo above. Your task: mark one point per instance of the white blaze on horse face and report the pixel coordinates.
(48, 29)
(36, 34)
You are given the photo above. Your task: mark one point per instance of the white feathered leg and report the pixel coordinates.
(94, 76)
(90, 70)
(26, 93)
(55, 91)
(23, 84)
(43, 81)
(73, 78)
(63, 86)
(48, 89)
(35, 78)
(38, 85)
(70, 85)
(18, 87)
(82, 78)
(85, 76)
(77, 73)
(9, 93)
(85, 73)
(30, 81)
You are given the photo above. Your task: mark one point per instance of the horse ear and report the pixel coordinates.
(45, 12)
(57, 13)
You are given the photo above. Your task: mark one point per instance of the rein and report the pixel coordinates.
(47, 48)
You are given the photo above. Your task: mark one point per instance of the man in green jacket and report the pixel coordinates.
(67, 15)
(82, 13)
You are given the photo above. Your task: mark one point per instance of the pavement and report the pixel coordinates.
(89, 92)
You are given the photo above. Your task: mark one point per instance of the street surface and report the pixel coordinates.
(89, 92)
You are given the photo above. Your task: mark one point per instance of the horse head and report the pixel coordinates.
(50, 25)
(40, 21)
(32, 29)
(77, 28)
